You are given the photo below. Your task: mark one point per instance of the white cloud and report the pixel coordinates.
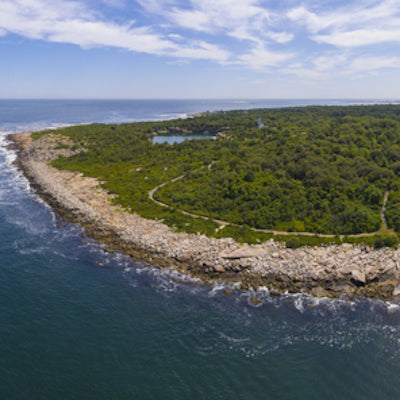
(307, 18)
(359, 37)
(175, 36)
(364, 64)
(243, 20)
(318, 67)
(360, 24)
(212, 15)
(352, 15)
(253, 34)
(192, 19)
(240, 19)
(330, 61)
(280, 37)
(203, 50)
(341, 65)
(70, 22)
(260, 58)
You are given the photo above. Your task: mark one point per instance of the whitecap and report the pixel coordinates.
(232, 339)
(392, 308)
(173, 116)
(299, 304)
(217, 288)
(263, 289)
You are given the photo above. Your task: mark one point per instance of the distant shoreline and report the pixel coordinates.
(331, 271)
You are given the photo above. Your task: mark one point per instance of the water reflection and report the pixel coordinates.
(178, 138)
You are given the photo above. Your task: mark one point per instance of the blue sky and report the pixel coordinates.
(199, 49)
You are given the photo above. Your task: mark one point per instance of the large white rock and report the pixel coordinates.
(359, 276)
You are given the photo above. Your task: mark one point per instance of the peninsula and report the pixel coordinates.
(299, 200)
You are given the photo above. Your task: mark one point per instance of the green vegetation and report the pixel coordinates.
(39, 134)
(310, 169)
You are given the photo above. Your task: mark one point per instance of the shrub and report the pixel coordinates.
(386, 241)
(391, 241)
(293, 243)
(378, 243)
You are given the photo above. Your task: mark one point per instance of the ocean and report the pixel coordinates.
(79, 323)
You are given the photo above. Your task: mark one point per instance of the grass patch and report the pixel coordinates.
(243, 234)
(38, 135)
(376, 241)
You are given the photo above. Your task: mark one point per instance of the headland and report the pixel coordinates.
(345, 270)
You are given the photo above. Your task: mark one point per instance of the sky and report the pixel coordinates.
(200, 49)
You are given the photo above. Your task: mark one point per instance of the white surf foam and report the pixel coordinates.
(172, 116)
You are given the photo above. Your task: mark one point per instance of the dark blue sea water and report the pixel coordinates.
(70, 329)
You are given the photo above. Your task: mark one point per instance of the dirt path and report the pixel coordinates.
(383, 211)
(222, 223)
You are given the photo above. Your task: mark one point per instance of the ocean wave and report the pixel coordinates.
(168, 116)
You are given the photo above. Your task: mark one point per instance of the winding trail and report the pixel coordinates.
(222, 224)
(383, 210)
(152, 191)
(151, 197)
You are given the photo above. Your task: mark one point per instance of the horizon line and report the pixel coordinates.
(200, 98)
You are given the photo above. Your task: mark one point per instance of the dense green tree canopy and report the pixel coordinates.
(314, 169)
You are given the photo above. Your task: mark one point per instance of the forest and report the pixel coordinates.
(318, 169)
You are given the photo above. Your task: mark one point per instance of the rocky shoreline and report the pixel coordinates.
(332, 271)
